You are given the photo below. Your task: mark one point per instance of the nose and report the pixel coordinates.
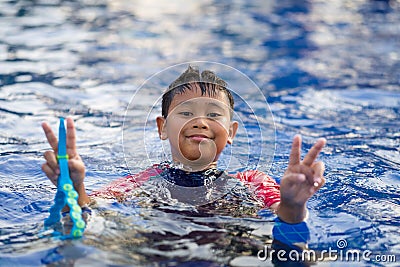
(200, 123)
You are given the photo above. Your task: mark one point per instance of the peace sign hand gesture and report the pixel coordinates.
(75, 163)
(300, 181)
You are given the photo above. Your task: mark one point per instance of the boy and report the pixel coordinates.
(197, 120)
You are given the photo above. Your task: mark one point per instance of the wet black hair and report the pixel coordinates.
(208, 82)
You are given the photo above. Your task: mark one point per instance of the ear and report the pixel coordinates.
(232, 131)
(162, 133)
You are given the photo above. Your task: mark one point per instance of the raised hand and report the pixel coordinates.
(75, 163)
(300, 181)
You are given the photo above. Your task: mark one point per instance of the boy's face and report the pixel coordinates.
(198, 127)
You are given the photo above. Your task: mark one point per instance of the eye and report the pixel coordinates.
(213, 115)
(185, 113)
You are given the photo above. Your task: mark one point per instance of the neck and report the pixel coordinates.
(194, 167)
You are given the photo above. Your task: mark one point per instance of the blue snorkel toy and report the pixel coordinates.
(66, 194)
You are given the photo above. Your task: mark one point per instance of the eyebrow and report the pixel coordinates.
(218, 105)
(215, 104)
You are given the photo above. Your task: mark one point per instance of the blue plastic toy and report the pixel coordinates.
(66, 194)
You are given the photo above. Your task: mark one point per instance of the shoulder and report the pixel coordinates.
(254, 176)
(265, 187)
(126, 184)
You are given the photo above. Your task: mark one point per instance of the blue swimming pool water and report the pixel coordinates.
(327, 68)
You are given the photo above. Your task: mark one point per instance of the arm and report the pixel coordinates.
(121, 188)
(264, 187)
(75, 163)
(300, 181)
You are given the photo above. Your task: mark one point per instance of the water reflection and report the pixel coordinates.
(164, 245)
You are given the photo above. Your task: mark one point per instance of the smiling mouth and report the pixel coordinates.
(198, 137)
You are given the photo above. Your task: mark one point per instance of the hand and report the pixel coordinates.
(75, 163)
(300, 181)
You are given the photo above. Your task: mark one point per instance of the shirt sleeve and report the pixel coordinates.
(121, 187)
(263, 185)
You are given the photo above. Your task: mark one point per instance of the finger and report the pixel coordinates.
(51, 160)
(314, 151)
(50, 173)
(294, 157)
(308, 172)
(318, 186)
(71, 138)
(293, 179)
(319, 168)
(51, 137)
(76, 164)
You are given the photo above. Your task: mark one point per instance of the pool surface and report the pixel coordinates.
(327, 68)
